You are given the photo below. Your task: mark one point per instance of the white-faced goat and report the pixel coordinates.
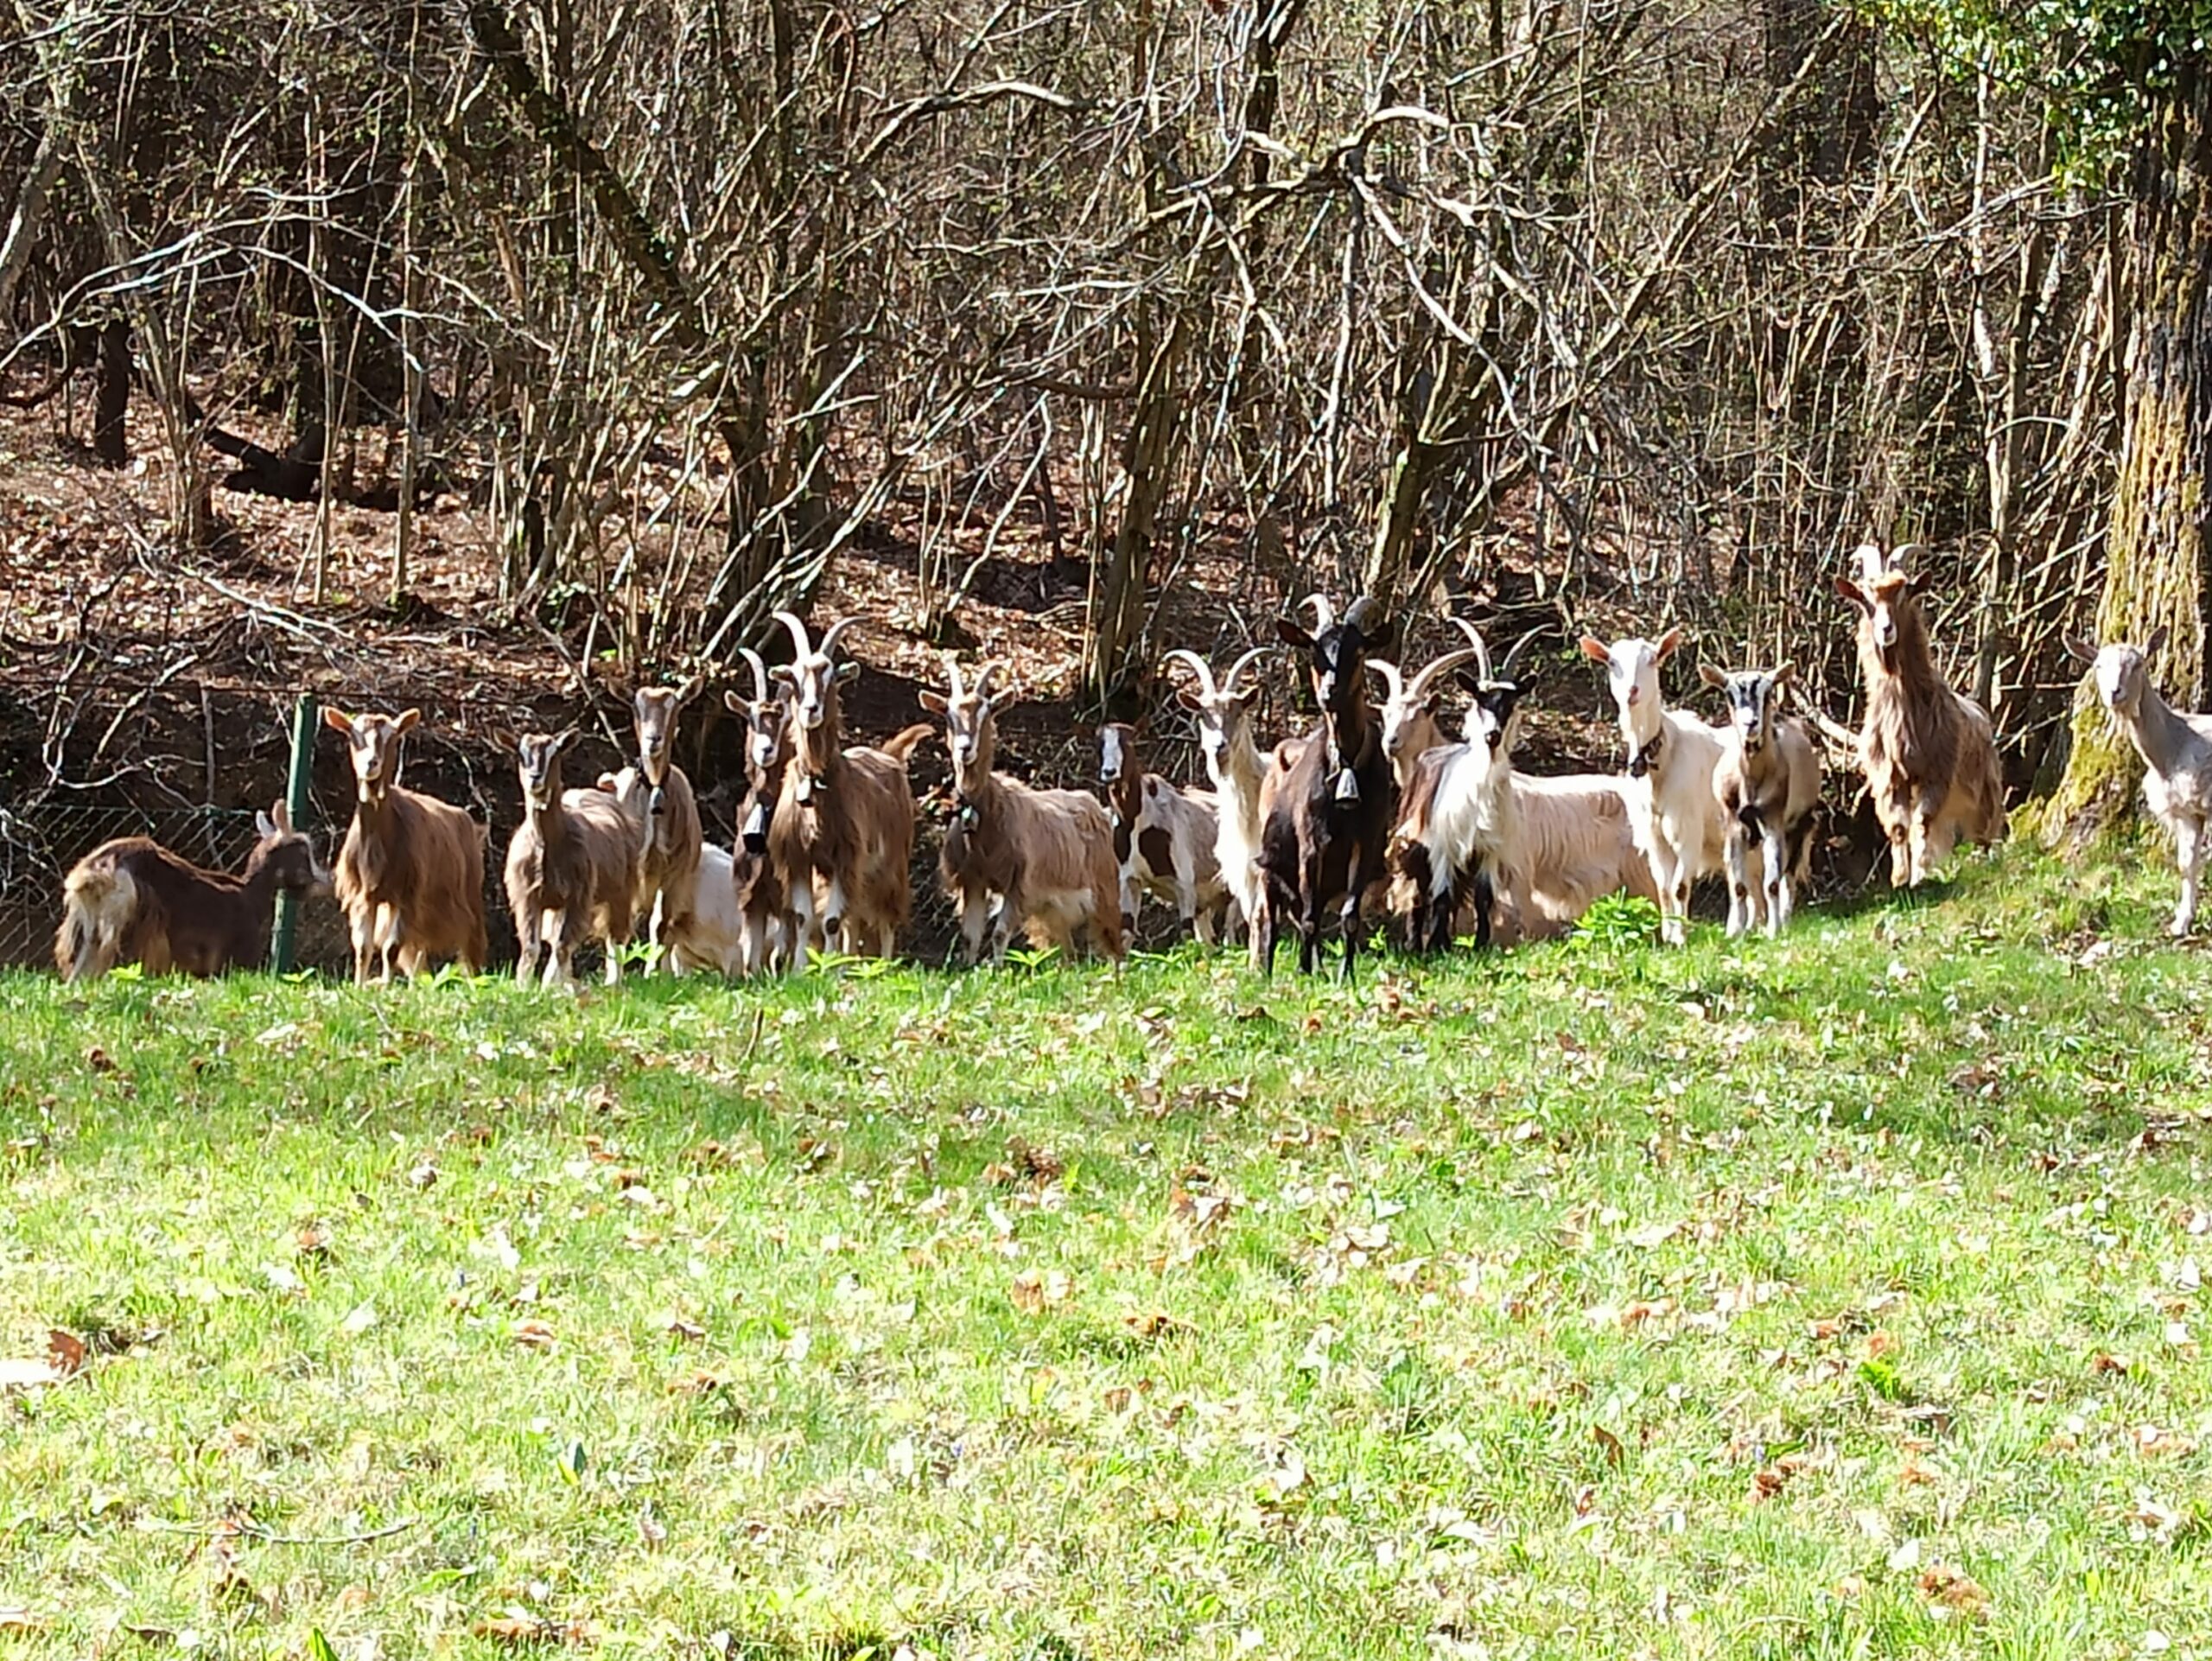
(2176, 749)
(133, 901)
(1673, 793)
(1770, 786)
(572, 865)
(1043, 858)
(1327, 831)
(410, 877)
(761, 891)
(842, 835)
(1458, 836)
(1164, 839)
(1240, 774)
(1930, 754)
(669, 872)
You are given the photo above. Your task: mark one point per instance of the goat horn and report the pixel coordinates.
(797, 631)
(1449, 660)
(952, 674)
(1204, 670)
(1475, 639)
(759, 673)
(829, 640)
(1513, 656)
(1389, 670)
(1236, 669)
(1325, 614)
(985, 675)
(1903, 553)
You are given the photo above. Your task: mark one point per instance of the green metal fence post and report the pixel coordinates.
(296, 798)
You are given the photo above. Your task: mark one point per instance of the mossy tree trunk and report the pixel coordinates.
(2156, 565)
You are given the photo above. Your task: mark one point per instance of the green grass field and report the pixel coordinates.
(1837, 1296)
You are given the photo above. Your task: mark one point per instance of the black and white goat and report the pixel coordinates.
(1459, 833)
(1240, 773)
(1327, 830)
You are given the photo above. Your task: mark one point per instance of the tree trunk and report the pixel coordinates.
(111, 405)
(2155, 569)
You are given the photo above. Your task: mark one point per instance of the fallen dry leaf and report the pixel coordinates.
(1036, 1291)
(1939, 1583)
(533, 1334)
(14, 1618)
(1608, 1444)
(1154, 1323)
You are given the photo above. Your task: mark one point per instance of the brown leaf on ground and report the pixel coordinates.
(64, 1358)
(14, 1618)
(98, 1059)
(1608, 1444)
(519, 1627)
(1775, 1477)
(1154, 1323)
(533, 1334)
(1941, 1584)
(1038, 1290)
(65, 1351)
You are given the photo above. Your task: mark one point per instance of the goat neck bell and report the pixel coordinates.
(1347, 786)
(754, 833)
(1645, 757)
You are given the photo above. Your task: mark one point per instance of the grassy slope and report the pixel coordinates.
(1824, 1298)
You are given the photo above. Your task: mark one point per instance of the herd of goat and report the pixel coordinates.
(1372, 811)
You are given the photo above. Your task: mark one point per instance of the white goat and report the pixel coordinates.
(1769, 785)
(2177, 751)
(1673, 798)
(1239, 772)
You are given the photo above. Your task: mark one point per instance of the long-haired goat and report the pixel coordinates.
(668, 871)
(410, 873)
(1327, 831)
(763, 891)
(572, 864)
(1241, 774)
(1770, 786)
(2177, 752)
(1165, 838)
(1457, 834)
(1044, 858)
(1928, 753)
(133, 901)
(1673, 793)
(842, 833)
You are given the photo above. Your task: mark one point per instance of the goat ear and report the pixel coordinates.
(1288, 631)
(690, 688)
(406, 723)
(1854, 594)
(2078, 649)
(338, 720)
(280, 815)
(934, 702)
(1594, 649)
(606, 781)
(1711, 676)
(1189, 699)
(1669, 641)
(734, 701)
(1469, 681)
(2156, 643)
(846, 671)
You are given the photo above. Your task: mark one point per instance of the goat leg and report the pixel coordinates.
(1779, 901)
(527, 932)
(2188, 849)
(1739, 887)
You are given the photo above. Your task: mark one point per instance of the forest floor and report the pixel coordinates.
(1837, 1295)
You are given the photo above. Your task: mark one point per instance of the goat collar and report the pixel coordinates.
(965, 810)
(1644, 757)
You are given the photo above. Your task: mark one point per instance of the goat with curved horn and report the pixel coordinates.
(1198, 665)
(797, 630)
(1475, 640)
(1324, 613)
(1236, 669)
(1513, 653)
(759, 673)
(828, 642)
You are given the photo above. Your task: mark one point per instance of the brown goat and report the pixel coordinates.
(410, 875)
(1930, 754)
(842, 834)
(572, 865)
(133, 899)
(1046, 856)
(669, 874)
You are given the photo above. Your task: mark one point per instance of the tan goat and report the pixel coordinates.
(1044, 858)
(668, 873)
(572, 865)
(410, 875)
(1930, 754)
(842, 834)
